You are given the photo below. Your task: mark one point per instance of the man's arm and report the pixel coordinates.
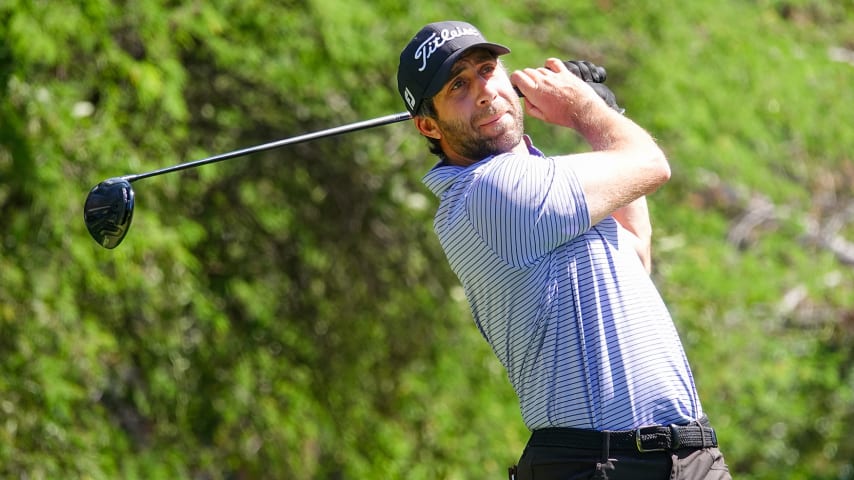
(634, 217)
(625, 165)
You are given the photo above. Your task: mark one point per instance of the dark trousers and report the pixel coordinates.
(549, 460)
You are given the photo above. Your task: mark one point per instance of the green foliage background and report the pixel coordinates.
(290, 315)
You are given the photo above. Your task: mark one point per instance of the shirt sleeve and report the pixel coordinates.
(524, 206)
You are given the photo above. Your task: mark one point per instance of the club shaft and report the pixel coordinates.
(352, 127)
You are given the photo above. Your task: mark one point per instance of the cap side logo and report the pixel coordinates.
(410, 99)
(437, 39)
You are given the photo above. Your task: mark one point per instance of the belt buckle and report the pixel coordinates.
(641, 437)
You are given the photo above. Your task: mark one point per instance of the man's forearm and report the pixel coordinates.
(634, 217)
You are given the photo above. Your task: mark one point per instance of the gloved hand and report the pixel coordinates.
(595, 76)
(607, 95)
(586, 71)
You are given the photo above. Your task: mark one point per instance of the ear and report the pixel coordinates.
(428, 127)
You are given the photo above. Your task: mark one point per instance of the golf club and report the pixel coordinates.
(108, 210)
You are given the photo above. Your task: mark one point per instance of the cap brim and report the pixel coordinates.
(441, 76)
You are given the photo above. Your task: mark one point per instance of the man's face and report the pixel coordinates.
(478, 112)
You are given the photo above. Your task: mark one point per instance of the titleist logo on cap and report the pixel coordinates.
(426, 49)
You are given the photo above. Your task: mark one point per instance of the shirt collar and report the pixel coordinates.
(443, 174)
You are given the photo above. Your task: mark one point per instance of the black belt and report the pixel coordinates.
(644, 439)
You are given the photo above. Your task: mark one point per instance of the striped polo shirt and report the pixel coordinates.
(567, 307)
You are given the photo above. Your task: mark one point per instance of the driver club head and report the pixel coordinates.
(108, 211)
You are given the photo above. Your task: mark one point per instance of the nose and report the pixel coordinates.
(488, 90)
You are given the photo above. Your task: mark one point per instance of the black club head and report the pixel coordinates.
(108, 211)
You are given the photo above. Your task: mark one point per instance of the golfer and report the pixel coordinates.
(554, 255)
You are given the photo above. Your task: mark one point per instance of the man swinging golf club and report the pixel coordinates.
(554, 256)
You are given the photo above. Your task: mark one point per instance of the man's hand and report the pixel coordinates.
(606, 94)
(586, 71)
(595, 76)
(553, 94)
(625, 162)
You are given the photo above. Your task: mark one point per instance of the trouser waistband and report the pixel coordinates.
(655, 438)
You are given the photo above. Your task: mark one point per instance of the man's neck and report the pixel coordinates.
(521, 148)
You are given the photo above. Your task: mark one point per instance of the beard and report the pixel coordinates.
(465, 138)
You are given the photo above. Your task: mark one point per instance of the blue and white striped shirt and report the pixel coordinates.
(567, 307)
